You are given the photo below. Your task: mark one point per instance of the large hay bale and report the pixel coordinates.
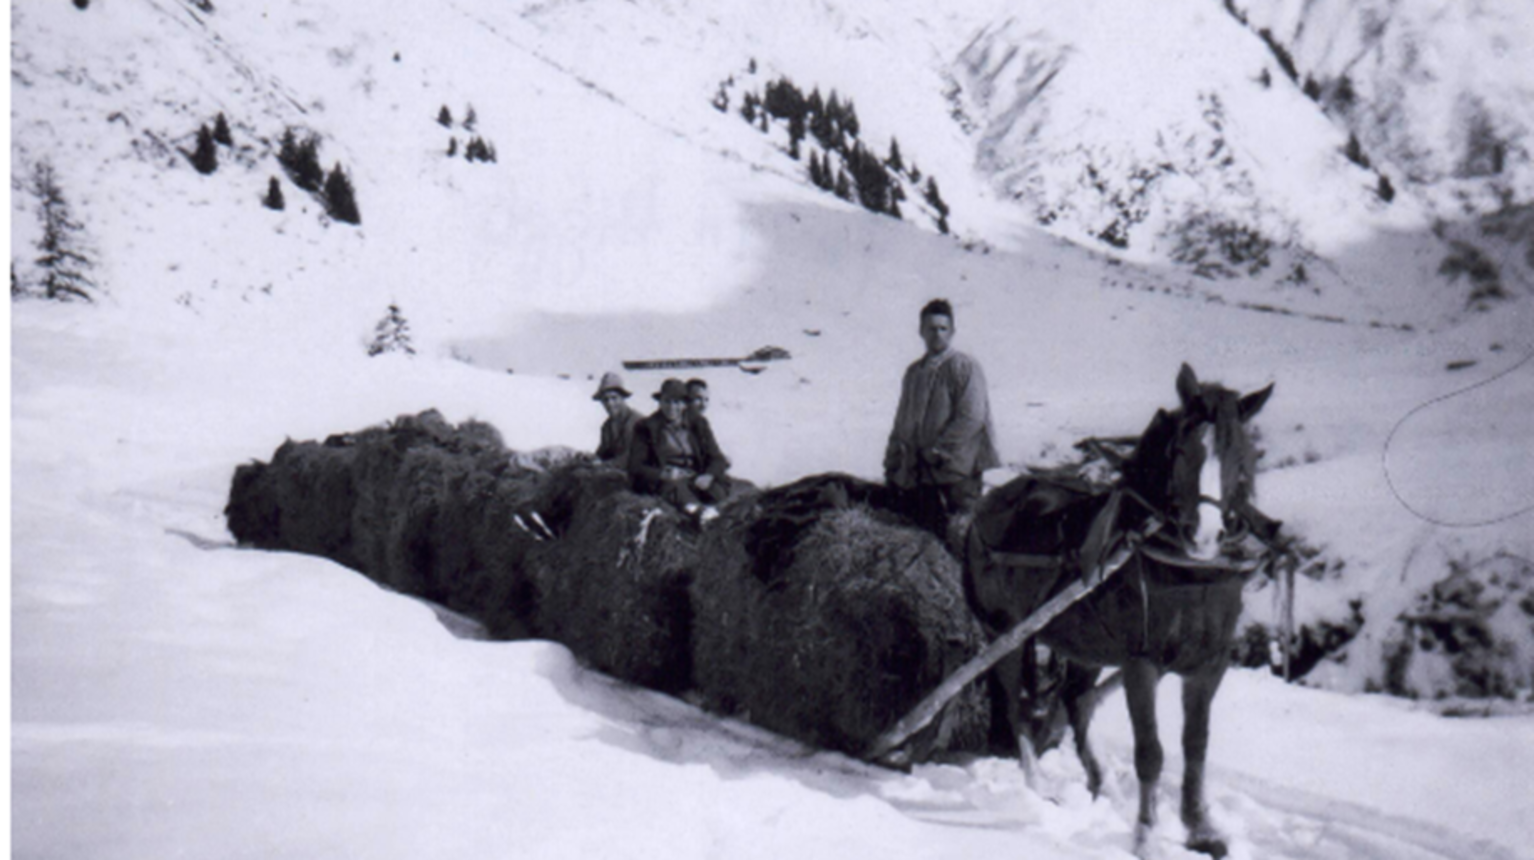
(614, 589)
(864, 620)
(315, 494)
(802, 609)
(255, 518)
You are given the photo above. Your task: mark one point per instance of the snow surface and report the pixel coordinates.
(175, 696)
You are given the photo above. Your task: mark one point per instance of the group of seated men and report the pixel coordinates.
(673, 453)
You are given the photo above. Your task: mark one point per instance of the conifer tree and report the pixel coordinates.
(815, 170)
(205, 158)
(63, 260)
(894, 160)
(392, 334)
(850, 122)
(340, 200)
(221, 130)
(445, 117)
(452, 147)
(273, 198)
(843, 186)
(470, 118)
(302, 161)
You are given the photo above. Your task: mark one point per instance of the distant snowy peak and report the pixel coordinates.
(1146, 129)
(1442, 90)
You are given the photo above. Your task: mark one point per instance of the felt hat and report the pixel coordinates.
(672, 389)
(611, 381)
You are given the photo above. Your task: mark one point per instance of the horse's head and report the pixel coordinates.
(1197, 466)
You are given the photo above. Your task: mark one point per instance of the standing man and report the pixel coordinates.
(618, 429)
(944, 436)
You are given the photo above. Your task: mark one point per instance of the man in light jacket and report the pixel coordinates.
(944, 437)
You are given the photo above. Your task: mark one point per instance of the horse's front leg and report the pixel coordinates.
(1197, 697)
(1140, 679)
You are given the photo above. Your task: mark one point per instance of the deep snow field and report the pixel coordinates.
(174, 695)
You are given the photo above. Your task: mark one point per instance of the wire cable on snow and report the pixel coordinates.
(1385, 455)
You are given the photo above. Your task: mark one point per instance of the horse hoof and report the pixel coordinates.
(1210, 844)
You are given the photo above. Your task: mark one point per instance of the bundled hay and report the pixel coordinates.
(866, 617)
(614, 589)
(803, 609)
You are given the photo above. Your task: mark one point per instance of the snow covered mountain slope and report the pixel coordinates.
(174, 695)
(1172, 132)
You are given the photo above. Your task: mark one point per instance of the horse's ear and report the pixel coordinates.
(1252, 403)
(1187, 387)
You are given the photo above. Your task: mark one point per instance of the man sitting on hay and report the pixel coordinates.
(669, 459)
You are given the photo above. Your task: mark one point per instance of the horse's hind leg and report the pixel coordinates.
(1079, 692)
(1197, 696)
(1140, 679)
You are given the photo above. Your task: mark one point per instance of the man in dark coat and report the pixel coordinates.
(667, 458)
(697, 404)
(618, 429)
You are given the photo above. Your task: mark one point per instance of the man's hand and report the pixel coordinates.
(703, 481)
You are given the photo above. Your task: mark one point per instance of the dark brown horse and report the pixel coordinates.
(1184, 501)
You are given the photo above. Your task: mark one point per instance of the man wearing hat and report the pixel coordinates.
(667, 459)
(618, 429)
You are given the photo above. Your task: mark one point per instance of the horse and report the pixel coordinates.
(1184, 504)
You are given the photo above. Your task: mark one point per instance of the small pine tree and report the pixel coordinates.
(751, 66)
(221, 130)
(273, 198)
(445, 117)
(302, 161)
(392, 334)
(470, 118)
(1355, 152)
(850, 122)
(205, 159)
(843, 185)
(894, 161)
(63, 260)
(815, 169)
(1385, 190)
(915, 173)
(1311, 89)
(934, 198)
(452, 147)
(748, 108)
(340, 200)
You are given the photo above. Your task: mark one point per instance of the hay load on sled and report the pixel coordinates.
(806, 609)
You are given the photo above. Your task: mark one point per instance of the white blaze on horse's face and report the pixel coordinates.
(1206, 540)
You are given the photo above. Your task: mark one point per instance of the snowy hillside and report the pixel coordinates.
(178, 695)
(1178, 132)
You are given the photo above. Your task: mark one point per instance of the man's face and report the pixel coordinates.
(936, 332)
(697, 400)
(673, 409)
(612, 401)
